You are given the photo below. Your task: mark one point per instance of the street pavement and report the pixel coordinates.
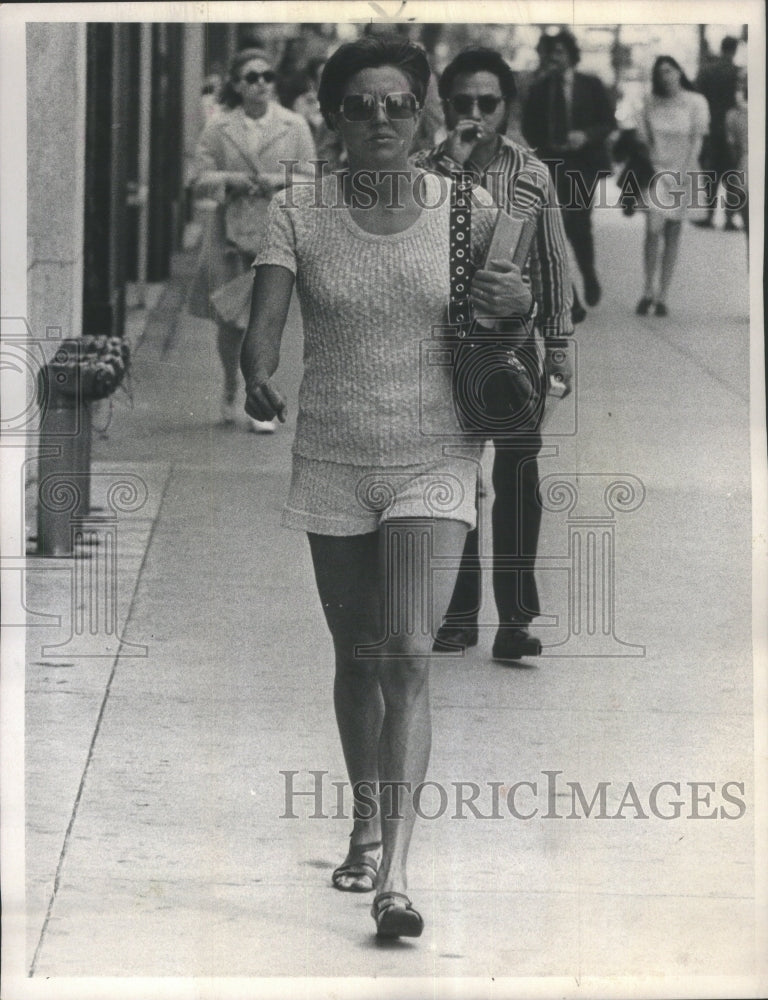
(156, 843)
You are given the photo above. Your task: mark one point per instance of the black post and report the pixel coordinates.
(166, 196)
(105, 180)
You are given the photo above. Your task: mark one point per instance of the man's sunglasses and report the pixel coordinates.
(362, 107)
(253, 77)
(463, 104)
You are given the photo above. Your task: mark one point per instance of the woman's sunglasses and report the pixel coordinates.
(253, 77)
(463, 104)
(362, 107)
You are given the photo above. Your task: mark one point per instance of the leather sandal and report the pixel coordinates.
(395, 916)
(363, 871)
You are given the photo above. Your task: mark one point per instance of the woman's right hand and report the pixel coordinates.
(240, 183)
(264, 402)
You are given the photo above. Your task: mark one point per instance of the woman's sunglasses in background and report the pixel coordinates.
(253, 77)
(362, 107)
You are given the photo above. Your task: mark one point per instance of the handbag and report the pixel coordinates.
(496, 376)
(212, 269)
(231, 303)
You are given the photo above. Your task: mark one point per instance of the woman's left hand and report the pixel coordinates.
(500, 291)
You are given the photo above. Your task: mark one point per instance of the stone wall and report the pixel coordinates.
(56, 75)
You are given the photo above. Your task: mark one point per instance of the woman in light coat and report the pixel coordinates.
(237, 163)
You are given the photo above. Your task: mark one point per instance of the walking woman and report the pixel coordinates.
(673, 124)
(237, 163)
(379, 495)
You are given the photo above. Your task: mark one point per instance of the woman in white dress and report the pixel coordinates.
(673, 123)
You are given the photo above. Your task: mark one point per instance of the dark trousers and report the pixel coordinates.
(516, 520)
(719, 161)
(577, 222)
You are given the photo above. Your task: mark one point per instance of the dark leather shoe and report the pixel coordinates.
(450, 636)
(643, 306)
(513, 642)
(592, 290)
(578, 313)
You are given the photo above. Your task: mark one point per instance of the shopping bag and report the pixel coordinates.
(212, 266)
(231, 303)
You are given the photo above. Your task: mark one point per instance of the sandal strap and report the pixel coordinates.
(387, 899)
(366, 848)
(355, 868)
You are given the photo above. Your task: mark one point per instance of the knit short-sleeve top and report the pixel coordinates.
(376, 389)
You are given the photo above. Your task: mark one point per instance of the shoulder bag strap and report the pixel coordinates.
(460, 247)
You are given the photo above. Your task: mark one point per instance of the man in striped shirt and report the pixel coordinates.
(477, 89)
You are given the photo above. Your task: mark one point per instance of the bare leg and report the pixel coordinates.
(381, 692)
(672, 232)
(228, 341)
(406, 733)
(650, 255)
(347, 581)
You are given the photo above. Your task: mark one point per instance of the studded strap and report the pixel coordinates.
(460, 246)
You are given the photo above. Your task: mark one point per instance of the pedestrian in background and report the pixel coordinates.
(567, 118)
(736, 134)
(672, 126)
(300, 95)
(477, 89)
(368, 486)
(717, 82)
(237, 163)
(210, 92)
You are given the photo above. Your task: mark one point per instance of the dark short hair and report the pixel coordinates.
(685, 83)
(370, 52)
(478, 59)
(729, 45)
(569, 43)
(229, 96)
(293, 87)
(544, 45)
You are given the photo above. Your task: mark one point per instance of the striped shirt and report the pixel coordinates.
(518, 181)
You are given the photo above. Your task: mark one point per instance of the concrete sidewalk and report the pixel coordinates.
(155, 844)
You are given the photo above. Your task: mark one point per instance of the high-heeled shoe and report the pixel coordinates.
(395, 916)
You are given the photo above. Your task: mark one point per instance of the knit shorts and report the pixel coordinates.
(329, 498)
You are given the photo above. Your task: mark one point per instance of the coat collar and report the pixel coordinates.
(274, 124)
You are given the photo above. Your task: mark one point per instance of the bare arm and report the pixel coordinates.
(260, 353)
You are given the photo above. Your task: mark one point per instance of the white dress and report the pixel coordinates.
(673, 128)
